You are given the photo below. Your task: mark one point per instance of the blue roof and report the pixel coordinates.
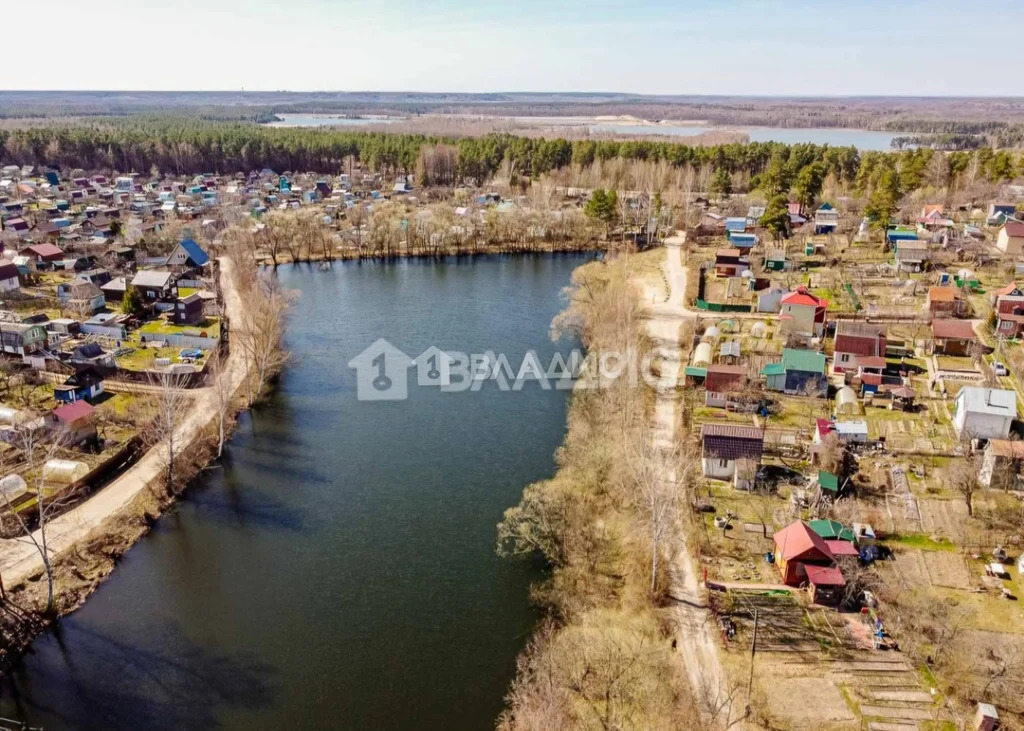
(195, 253)
(736, 224)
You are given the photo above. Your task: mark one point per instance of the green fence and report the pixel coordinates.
(720, 307)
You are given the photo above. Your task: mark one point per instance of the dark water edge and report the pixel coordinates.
(337, 570)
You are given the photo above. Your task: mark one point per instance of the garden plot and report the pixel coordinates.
(943, 517)
(947, 569)
(913, 570)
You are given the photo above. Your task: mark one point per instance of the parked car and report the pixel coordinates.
(1000, 369)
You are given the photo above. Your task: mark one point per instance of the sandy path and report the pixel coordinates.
(19, 559)
(695, 635)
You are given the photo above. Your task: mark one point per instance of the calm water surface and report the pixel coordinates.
(339, 570)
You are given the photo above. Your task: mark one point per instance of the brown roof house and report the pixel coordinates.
(952, 337)
(855, 340)
(945, 302)
(1011, 238)
(1001, 464)
(1008, 303)
(721, 381)
(728, 451)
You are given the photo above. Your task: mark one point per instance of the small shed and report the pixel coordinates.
(902, 398)
(826, 584)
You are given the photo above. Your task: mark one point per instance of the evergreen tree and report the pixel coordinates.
(721, 183)
(132, 304)
(776, 217)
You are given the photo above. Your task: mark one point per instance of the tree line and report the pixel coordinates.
(181, 146)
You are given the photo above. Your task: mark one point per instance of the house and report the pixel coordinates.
(796, 548)
(86, 383)
(720, 381)
(1001, 464)
(743, 241)
(1008, 305)
(775, 259)
(856, 340)
(826, 219)
(155, 284)
(723, 445)
(8, 276)
(847, 432)
(187, 254)
(998, 213)
(81, 296)
(189, 310)
(20, 338)
(730, 263)
(114, 289)
(1011, 238)
(42, 253)
(799, 372)
(911, 255)
(769, 299)
(945, 302)
(984, 413)
(106, 324)
(735, 225)
(75, 420)
(952, 337)
(803, 313)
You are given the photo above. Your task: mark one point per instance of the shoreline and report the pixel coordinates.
(86, 542)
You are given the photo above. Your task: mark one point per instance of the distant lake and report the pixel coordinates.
(329, 120)
(862, 139)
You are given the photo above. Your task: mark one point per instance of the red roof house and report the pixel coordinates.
(803, 312)
(796, 547)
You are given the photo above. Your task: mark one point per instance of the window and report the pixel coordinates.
(723, 463)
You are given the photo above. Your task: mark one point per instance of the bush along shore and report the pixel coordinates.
(50, 572)
(604, 656)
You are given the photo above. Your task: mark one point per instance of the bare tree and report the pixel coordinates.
(37, 445)
(171, 402)
(261, 330)
(963, 477)
(222, 386)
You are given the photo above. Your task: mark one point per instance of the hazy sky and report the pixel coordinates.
(934, 47)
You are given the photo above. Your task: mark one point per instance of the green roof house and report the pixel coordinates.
(831, 530)
(828, 482)
(799, 372)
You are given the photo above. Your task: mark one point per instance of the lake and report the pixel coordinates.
(338, 570)
(862, 139)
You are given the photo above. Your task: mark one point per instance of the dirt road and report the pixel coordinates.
(19, 560)
(696, 632)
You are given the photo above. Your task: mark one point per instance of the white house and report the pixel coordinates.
(984, 413)
(1011, 238)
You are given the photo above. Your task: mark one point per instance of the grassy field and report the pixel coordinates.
(211, 326)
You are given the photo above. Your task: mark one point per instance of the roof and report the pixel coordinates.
(851, 427)
(44, 250)
(1007, 448)
(73, 411)
(824, 576)
(773, 369)
(842, 548)
(8, 269)
(1014, 228)
(1008, 289)
(871, 361)
(195, 252)
(953, 329)
(728, 252)
(853, 328)
(942, 294)
(732, 441)
(719, 376)
(151, 278)
(831, 530)
(800, 296)
(993, 401)
(797, 541)
(827, 480)
(808, 361)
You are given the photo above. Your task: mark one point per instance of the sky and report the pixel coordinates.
(755, 47)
